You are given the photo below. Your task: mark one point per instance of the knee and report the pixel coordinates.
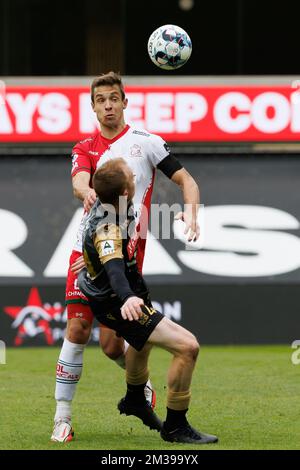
(78, 331)
(113, 350)
(111, 344)
(190, 349)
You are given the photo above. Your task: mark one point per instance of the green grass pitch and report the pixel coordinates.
(247, 395)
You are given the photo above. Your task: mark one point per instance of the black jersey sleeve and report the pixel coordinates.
(169, 165)
(115, 270)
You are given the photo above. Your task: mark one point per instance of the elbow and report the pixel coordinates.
(192, 185)
(76, 193)
(186, 182)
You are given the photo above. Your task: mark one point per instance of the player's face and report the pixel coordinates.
(109, 105)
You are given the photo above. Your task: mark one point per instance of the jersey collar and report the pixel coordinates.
(111, 141)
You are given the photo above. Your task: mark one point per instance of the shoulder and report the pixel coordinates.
(139, 132)
(108, 241)
(83, 146)
(108, 231)
(152, 141)
(144, 134)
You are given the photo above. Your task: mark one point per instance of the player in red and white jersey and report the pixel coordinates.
(143, 152)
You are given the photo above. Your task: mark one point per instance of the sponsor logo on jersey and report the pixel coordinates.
(89, 139)
(141, 133)
(93, 153)
(75, 293)
(107, 247)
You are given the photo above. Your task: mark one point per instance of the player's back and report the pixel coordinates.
(106, 236)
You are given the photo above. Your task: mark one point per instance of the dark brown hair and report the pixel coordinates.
(110, 181)
(110, 78)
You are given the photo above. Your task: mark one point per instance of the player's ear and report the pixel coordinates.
(125, 103)
(93, 106)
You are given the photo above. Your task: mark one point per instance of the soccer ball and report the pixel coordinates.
(169, 47)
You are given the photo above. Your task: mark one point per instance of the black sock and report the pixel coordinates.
(136, 393)
(175, 419)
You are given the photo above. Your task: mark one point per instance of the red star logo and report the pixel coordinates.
(33, 318)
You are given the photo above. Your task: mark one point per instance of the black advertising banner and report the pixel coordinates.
(239, 284)
(215, 313)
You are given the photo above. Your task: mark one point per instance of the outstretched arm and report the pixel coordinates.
(191, 197)
(82, 189)
(173, 169)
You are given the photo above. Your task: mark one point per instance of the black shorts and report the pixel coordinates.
(135, 332)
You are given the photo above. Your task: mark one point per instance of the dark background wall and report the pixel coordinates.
(51, 37)
(219, 309)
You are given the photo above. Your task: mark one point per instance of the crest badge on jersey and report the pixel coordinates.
(136, 151)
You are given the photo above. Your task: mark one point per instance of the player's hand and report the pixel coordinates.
(89, 200)
(131, 309)
(78, 265)
(191, 225)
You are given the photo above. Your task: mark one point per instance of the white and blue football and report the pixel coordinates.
(169, 47)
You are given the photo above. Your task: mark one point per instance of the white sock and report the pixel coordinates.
(68, 373)
(63, 410)
(120, 361)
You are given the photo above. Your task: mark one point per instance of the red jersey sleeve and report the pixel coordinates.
(81, 160)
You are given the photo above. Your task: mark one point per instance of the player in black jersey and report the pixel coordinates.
(119, 298)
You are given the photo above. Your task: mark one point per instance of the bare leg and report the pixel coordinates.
(137, 364)
(116, 348)
(135, 403)
(112, 345)
(184, 347)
